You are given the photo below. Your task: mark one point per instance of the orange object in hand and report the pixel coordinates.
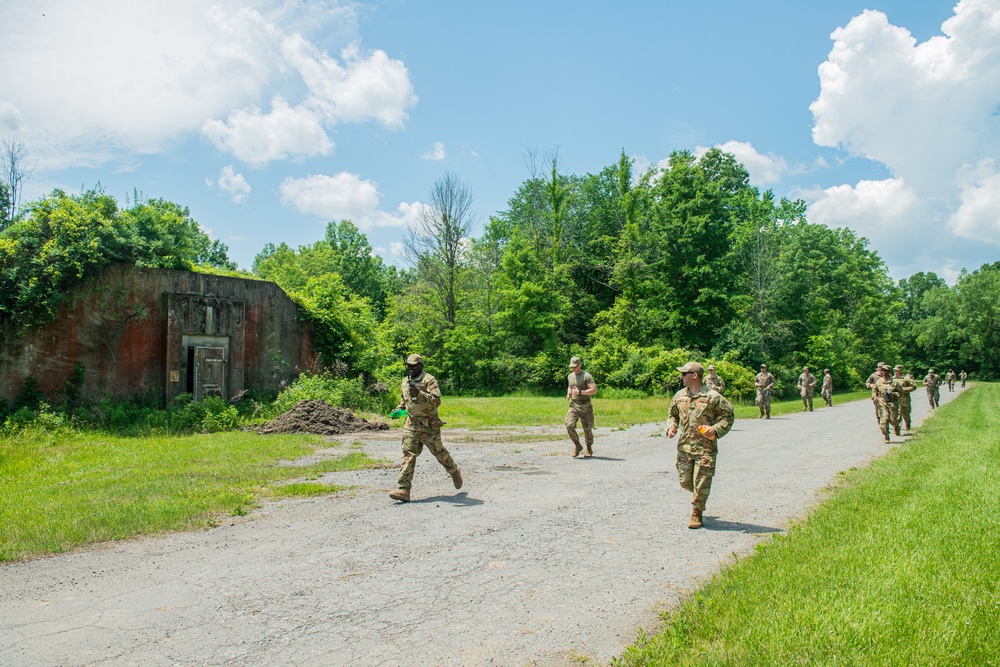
(704, 431)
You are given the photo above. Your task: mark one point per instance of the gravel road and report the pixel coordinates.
(541, 559)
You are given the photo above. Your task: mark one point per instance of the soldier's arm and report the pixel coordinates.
(673, 417)
(431, 394)
(724, 417)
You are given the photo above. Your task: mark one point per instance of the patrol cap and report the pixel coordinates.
(711, 367)
(763, 365)
(881, 364)
(826, 370)
(931, 370)
(414, 359)
(897, 367)
(691, 367)
(805, 368)
(575, 361)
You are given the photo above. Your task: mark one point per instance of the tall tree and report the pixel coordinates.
(14, 173)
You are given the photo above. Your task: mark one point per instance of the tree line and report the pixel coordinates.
(635, 273)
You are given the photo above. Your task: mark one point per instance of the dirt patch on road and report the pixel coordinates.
(321, 418)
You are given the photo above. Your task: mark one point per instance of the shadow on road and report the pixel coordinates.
(711, 523)
(457, 499)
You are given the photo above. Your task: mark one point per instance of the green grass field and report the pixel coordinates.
(899, 566)
(483, 413)
(66, 489)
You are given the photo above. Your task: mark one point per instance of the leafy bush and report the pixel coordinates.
(34, 425)
(342, 392)
(209, 415)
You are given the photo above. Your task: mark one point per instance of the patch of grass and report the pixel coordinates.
(897, 567)
(303, 490)
(60, 490)
(494, 412)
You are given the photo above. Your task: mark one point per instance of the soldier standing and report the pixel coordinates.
(909, 386)
(950, 379)
(827, 390)
(932, 384)
(714, 381)
(764, 382)
(807, 384)
(702, 416)
(420, 396)
(888, 390)
(963, 376)
(581, 388)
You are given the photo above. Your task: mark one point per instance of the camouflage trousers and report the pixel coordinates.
(807, 399)
(904, 413)
(934, 397)
(763, 402)
(827, 395)
(695, 472)
(413, 444)
(888, 417)
(585, 415)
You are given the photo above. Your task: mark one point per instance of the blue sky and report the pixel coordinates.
(270, 118)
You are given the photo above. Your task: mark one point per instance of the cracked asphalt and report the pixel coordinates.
(541, 559)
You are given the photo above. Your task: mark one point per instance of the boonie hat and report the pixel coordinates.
(691, 367)
(414, 359)
(575, 361)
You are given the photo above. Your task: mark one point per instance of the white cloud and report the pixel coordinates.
(878, 210)
(345, 196)
(978, 215)
(257, 138)
(397, 249)
(763, 169)
(89, 83)
(435, 154)
(233, 184)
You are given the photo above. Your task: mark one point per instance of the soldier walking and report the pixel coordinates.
(581, 387)
(702, 416)
(827, 390)
(932, 385)
(421, 396)
(909, 386)
(714, 381)
(950, 379)
(888, 390)
(870, 383)
(764, 382)
(963, 376)
(807, 384)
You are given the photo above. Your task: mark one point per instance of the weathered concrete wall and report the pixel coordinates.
(129, 326)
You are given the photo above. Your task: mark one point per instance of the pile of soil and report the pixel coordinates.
(321, 418)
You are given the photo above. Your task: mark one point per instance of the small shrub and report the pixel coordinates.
(29, 396)
(342, 392)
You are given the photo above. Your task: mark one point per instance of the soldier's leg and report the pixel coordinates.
(810, 402)
(411, 450)
(894, 417)
(760, 404)
(685, 471)
(883, 421)
(906, 416)
(704, 470)
(930, 398)
(571, 418)
(767, 406)
(587, 421)
(436, 447)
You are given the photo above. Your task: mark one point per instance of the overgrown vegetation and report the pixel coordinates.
(897, 567)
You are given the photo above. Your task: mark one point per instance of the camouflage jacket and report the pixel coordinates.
(764, 382)
(888, 390)
(689, 410)
(932, 381)
(422, 411)
(950, 377)
(807, 381)
(716, 383)
(827, 382)
(909, 385)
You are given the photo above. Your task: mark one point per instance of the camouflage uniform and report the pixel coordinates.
(696, 454)
(580, 408)
(827, 390)
(950, 379)
(887, 392)
(764, 382)
(870, 383)
(905, 404)
(422, 427)
(932, 384)
(807, 384)
(715, 382)
(963, 376)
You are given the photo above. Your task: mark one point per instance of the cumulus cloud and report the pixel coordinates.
(232, 183)
(91, 82)
(345, 196)
(978, 215)
(763, 169)
(435, 154)
(879, 210)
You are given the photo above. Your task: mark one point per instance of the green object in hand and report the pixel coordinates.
(398, 413)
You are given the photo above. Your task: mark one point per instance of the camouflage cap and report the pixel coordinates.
(931, 370)
(763, 365)
(575, 361)
(711, 367)
(881, 364)
(897, 367)
(414, 359)
(805, 368)
(691, 367)
(826, 370)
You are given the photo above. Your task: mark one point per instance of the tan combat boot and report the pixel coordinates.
(577, 448)
(695, 521)
(456, 478)
(402, 495)
(590, 452)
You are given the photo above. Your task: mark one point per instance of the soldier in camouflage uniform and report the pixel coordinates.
(764, 382)
(950, 379)
(581, 387)
(887, 391)
(827, 390)
(932, 384)
(963, 376)
(905, 405)
(807, 385)
(870, 383)
(420, 396)
(702, 416)
(714, 381)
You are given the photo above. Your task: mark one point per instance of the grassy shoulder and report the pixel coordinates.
(497, 412)
(897, 567)
(61, 490)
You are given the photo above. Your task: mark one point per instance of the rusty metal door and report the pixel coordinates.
(209, 372)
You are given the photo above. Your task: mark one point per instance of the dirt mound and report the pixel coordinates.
(321, 418)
